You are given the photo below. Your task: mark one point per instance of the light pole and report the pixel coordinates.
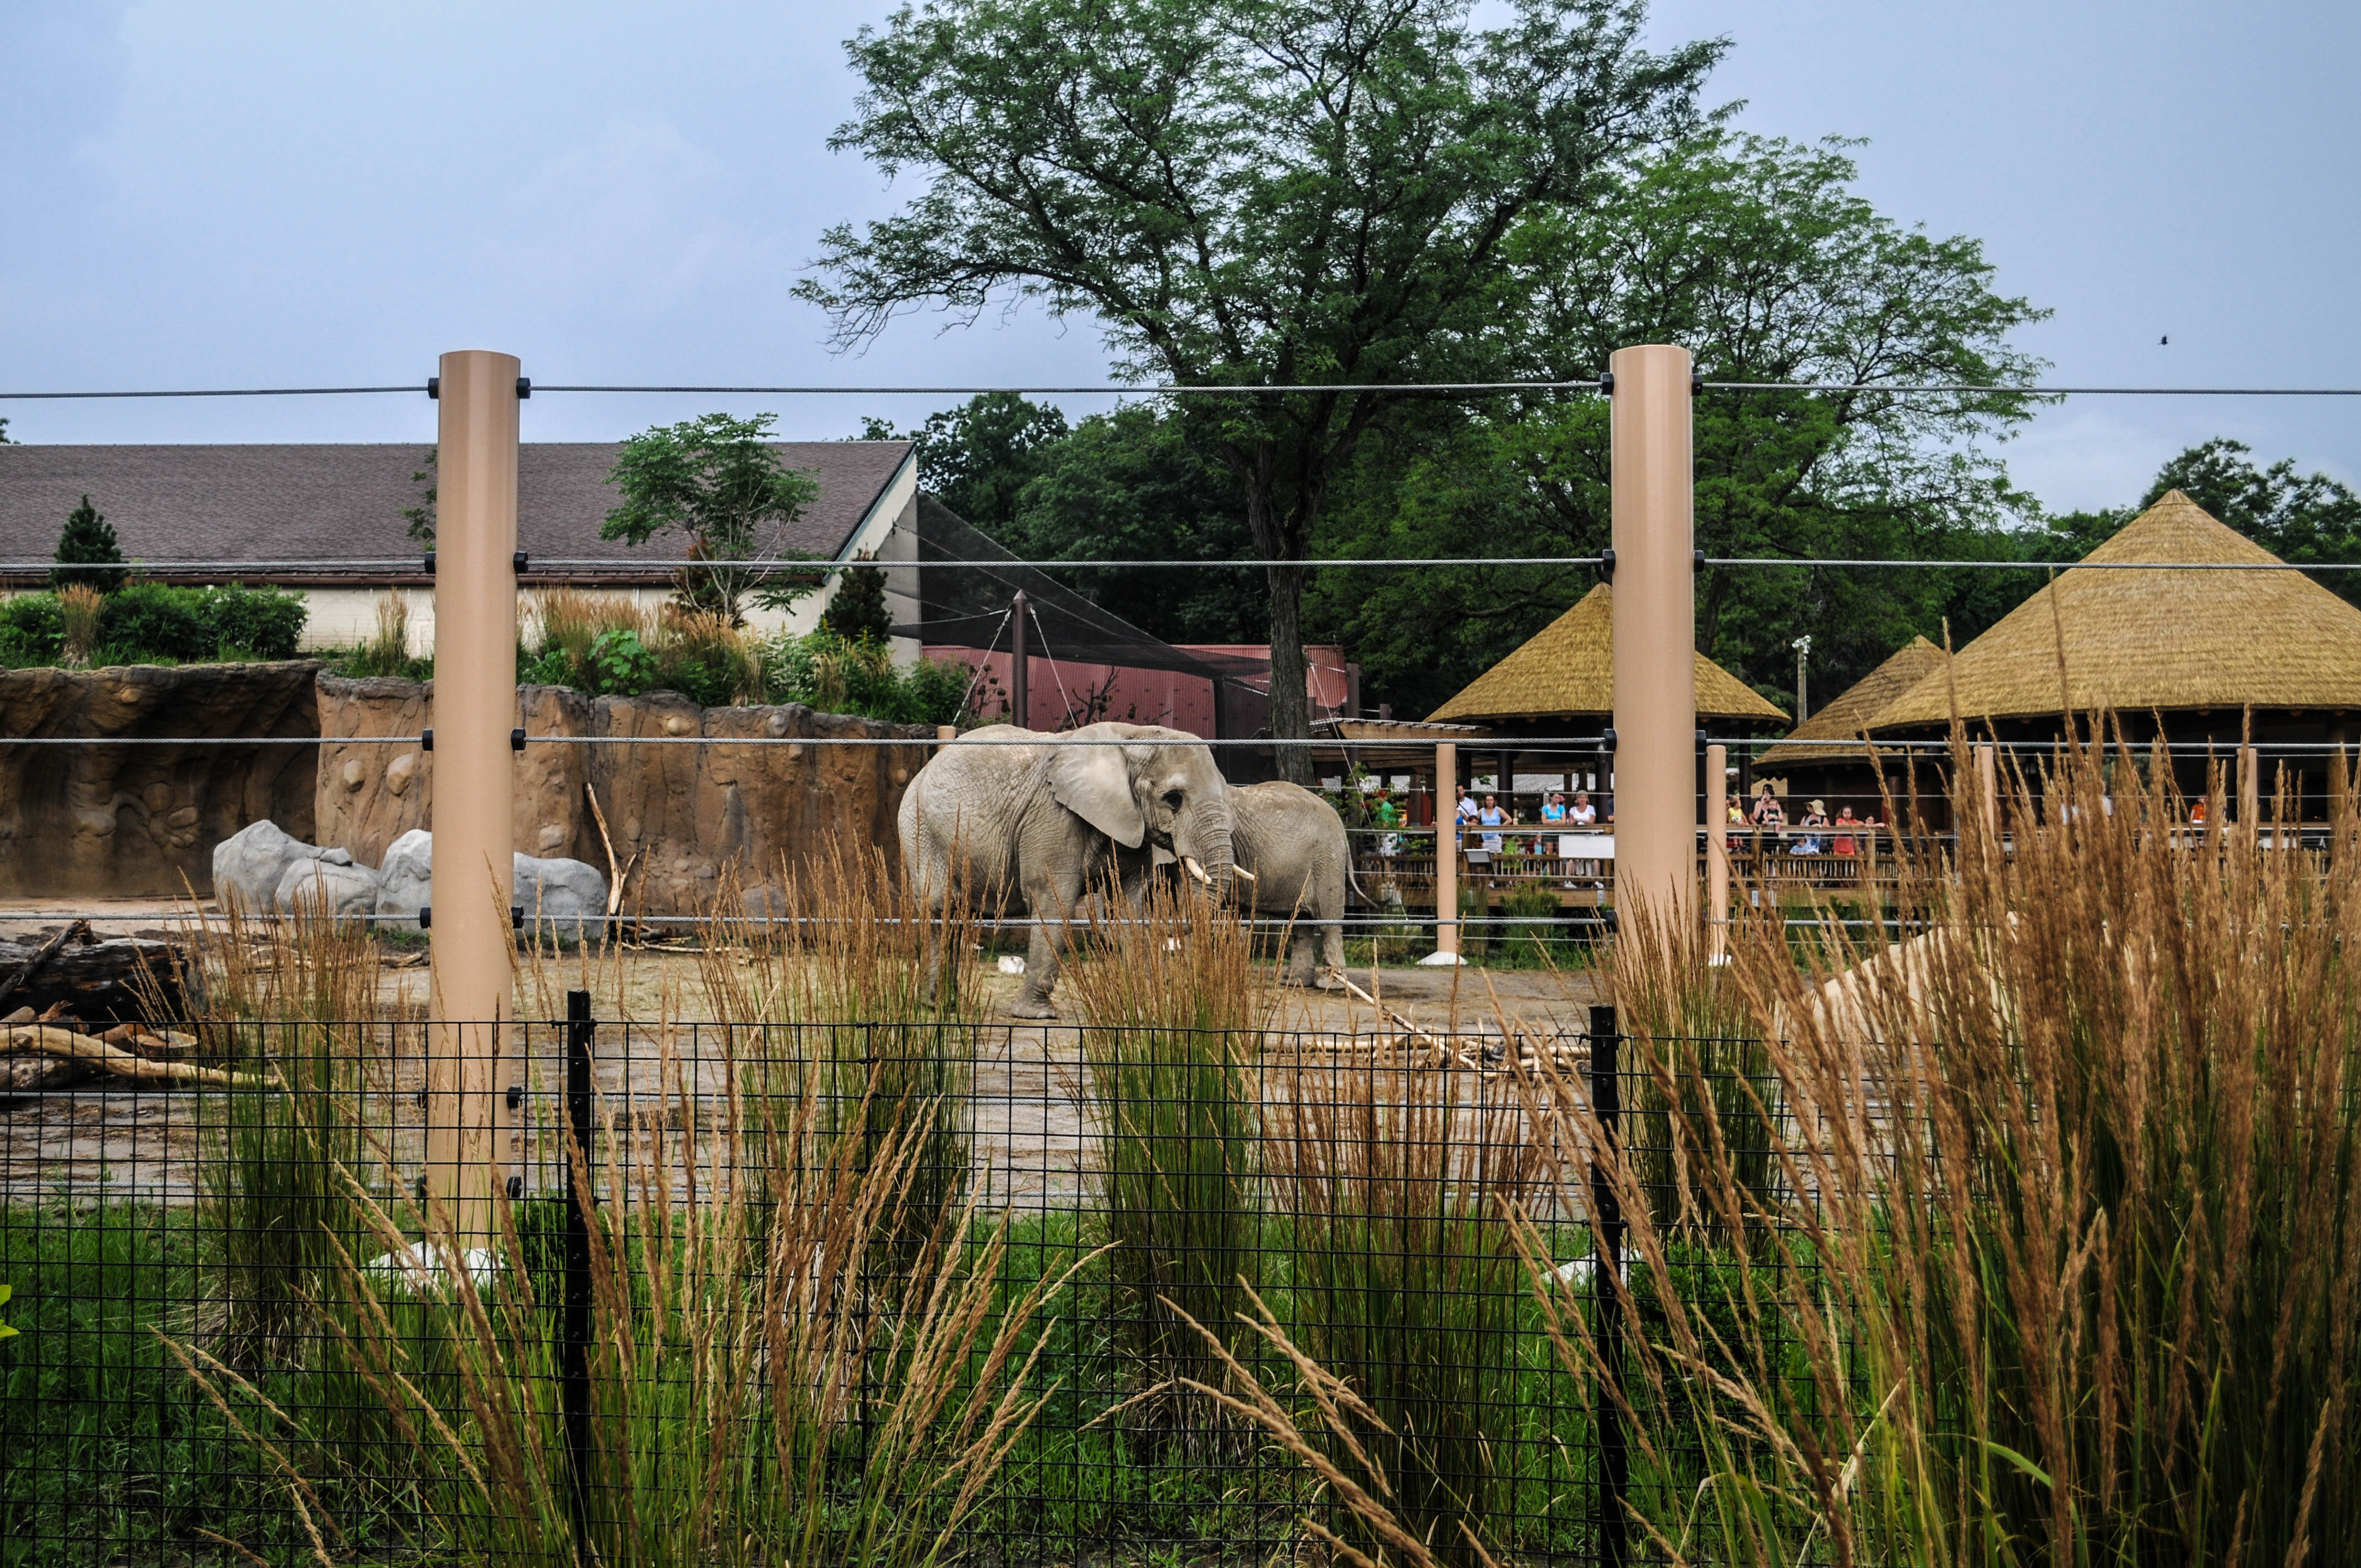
(1802, 647)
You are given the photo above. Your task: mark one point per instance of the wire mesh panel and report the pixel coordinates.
(837, 1291)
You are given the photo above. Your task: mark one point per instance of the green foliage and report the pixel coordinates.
(5, 1290)
(421, 518)
(260, 623)
(720, 480)
(154, 622)
(1757, 253)
(858, 610)
(1247, 191)
(826, 672)
(977, 457)
(149, 624)
(32, 629)
(88, 537)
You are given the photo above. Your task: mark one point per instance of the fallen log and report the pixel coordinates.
(48, 1040)
(48, 950)
(118, 978)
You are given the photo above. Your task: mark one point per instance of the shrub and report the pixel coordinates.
(263, 624)
(828, 673)
(149, 622)
(32, 629)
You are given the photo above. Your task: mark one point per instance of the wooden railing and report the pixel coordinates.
(1402, 859)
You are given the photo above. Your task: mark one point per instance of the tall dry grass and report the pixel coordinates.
(758, 1395)
(2062, 1258)
(1401, 1183)
(1175, 1003)
(80, 610)
(837, 979)
(291, 1006)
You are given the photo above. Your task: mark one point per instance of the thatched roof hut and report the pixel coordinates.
(2138, 642)
(1567, 668)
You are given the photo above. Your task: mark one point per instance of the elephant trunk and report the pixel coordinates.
(1206, 853)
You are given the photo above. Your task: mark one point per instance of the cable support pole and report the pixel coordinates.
(1589, 386)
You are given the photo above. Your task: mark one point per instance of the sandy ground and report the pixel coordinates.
(1032, 1126)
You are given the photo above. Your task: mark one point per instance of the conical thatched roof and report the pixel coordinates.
(1568, 667)
(1859, 709)
(2141, 641)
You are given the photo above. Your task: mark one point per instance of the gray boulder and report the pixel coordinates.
(568, 897)
(560, 895)
(248, 864)
(330, 885)
(406, 880)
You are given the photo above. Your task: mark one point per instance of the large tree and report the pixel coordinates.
(1248, 192)
(1757, 255)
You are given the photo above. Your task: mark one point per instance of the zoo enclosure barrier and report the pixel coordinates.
(198, 1270)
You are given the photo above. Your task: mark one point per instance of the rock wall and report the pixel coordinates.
(142, 821)
(680, 815)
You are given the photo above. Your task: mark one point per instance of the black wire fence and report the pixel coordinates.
(787, 1293)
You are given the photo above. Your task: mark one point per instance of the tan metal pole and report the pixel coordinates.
(2250, 793)
(1716, 853)
(1446, 854)
(1988, 790)
(475, 781)
(946, 733)
(1655, 633)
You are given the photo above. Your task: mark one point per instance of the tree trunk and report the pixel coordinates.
(1291, 714)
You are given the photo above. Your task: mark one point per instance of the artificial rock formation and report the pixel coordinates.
(142, 821)
(684, 817)
(554, 894)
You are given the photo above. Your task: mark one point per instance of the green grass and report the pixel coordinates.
(125, 1461)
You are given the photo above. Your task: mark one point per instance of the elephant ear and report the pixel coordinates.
(1094, 784)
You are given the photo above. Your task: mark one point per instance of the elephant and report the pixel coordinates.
(1293, 854)
(1023, 820)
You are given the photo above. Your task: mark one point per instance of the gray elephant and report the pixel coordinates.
(1292, 855)
(1035, 822)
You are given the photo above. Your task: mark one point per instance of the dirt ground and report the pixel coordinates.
(1032, 1126)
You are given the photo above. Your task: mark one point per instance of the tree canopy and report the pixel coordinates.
(1325, 193)
(720, 480)
(1757, 254)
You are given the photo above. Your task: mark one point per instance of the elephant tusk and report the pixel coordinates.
(1189, 863)
(1242, 872)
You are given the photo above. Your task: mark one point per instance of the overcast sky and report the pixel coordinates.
(215, 193)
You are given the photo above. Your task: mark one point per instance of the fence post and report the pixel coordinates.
(1651, 503)
(1447, 855)
(1020, 663)
(474, 944)
(1607, 1285)
(573, 1347)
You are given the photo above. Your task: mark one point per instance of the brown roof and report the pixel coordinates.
(1568, 667)
(2142, 640)
(322, 503)
(1858, 709)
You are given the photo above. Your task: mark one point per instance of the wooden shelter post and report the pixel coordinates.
(473, 815)
(1447, 855)
(1656, 631)
(1988, 789)
(1716, 854)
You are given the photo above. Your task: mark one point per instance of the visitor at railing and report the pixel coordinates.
(1388, 818)
(1769, 815)
(1492, 816)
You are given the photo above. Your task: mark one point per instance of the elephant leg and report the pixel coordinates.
(1331, 955)
(1051, 908)
(1299, 970)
